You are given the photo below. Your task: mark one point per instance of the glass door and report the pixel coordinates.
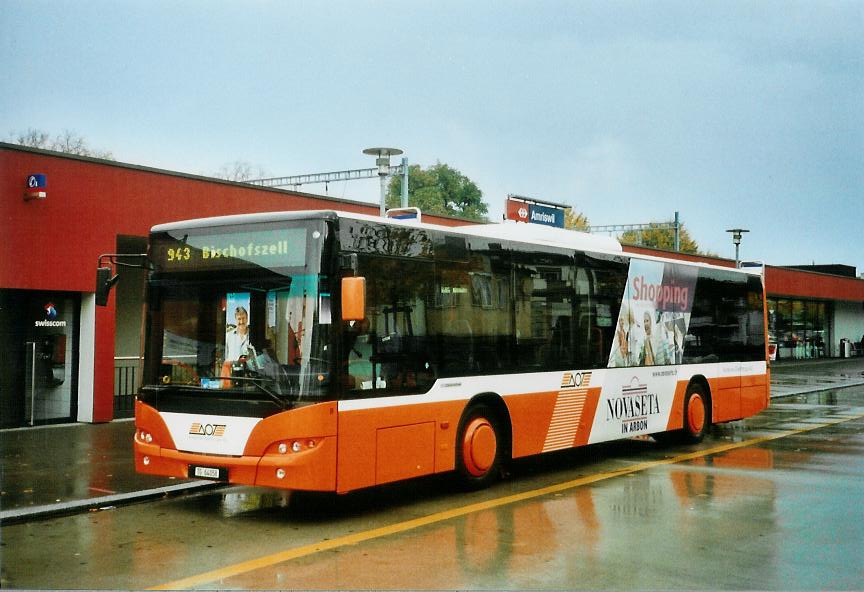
(39, 332)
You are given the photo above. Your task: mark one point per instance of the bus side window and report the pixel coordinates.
(358, 347)
(400, 357)
(600, 286)
(545, 315)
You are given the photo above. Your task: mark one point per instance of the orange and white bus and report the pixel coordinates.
(332, 351)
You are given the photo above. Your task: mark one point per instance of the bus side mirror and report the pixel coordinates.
(353, 298)
(104, 282)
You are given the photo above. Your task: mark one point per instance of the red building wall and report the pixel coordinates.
(54, 243)
(782, 281)
(682, 256)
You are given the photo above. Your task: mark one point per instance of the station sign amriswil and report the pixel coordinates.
(534, 213)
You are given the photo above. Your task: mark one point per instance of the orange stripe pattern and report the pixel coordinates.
(567, 415)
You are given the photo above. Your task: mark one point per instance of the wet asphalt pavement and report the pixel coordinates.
(772, 502)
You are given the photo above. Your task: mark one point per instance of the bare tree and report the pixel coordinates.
(32, 137)
(240, 170)
(68, 141)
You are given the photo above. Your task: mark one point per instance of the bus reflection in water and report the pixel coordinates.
(570, 535)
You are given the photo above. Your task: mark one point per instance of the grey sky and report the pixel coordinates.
(734, 113)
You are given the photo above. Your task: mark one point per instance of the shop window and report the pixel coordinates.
(799, 328)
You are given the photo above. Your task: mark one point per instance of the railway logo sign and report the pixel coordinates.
(37, 184)
(535, 212)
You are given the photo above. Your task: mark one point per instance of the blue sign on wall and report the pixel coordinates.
(37, 181)
(547, 216)
(37, 184)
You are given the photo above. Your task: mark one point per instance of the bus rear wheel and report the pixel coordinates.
(697, 416)
(478, 447)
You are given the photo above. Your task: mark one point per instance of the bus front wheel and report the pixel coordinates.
(478, 447)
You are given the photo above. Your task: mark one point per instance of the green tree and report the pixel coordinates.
(661, 238)
(68, 141)
(439, 189)
(576, 221)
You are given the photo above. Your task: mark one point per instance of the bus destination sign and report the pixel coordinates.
(270, 248)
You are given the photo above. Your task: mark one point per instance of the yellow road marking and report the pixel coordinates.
(383, 531)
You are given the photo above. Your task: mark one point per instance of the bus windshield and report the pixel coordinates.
(245, 313)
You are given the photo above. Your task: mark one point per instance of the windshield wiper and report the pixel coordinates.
(257, 381)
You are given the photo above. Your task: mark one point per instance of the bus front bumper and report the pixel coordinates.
(310, 468)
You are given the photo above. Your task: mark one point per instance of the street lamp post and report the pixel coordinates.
(383, 161)
(736, 238)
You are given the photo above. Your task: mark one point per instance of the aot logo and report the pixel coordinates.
(575, 379)
(207, 429)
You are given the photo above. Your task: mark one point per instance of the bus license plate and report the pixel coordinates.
(213, 473)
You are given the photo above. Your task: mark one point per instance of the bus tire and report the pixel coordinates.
(697, 414)
(696, 417)
(479, 446)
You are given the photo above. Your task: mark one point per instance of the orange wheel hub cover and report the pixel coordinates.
(695, 414)
(479, 446)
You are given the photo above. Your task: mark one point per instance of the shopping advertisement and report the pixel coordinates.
(655, 314)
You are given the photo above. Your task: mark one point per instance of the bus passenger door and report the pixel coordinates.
(726, 393)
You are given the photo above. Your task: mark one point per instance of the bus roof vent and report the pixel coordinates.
(404, 214)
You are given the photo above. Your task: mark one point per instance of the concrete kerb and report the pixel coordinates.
(814, 389)
(815, 376)
(104, 503)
